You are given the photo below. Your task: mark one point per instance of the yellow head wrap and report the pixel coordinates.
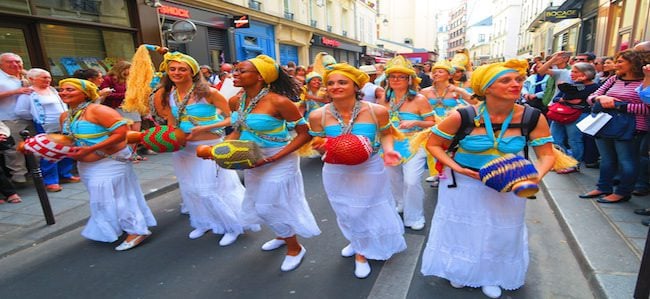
(85, 86)
(360, 78)
(485, 75)
(267, 67)
(312, 75)
(179, 57)
(401, 65)
(443, 64)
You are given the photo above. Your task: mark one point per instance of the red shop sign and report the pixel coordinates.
(330, 42)
(174, 11)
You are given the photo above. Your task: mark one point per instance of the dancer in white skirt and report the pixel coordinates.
(359, 194)
(478, 236)
(411, 113)
(212, 195)
(274, 188)
(116, 201)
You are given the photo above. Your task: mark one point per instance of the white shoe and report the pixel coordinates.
(361, 270)
(228, 238)
(491, 291)
(126, 245)
(456, 285)
(432, 178)
(418, 226)
(273, 244)
(197, 233)
(292, 262)
(347, 251)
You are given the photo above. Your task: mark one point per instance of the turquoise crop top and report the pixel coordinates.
(365, 129)
(408, 116)
(88, 134)
(266, 125)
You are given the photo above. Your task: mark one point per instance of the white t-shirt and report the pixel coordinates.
(368, 91)
(50, 109)
(8, 104)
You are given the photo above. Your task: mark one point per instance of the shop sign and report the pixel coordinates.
(555, 16)
(241, 22)
(330, 42)
(174, 11)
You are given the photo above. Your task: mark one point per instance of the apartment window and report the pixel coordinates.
(481, 38)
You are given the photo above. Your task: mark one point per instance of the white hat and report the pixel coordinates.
(4, 130)
(368, 69)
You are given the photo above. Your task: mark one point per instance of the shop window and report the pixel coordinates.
(72, 48)
(14, 6)
(250, 41)
(114, 12)
(640, 31)
(13, 40)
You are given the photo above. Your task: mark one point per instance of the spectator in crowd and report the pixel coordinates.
(13, 84)
(371, 92)
(44, 106)
(95, 77)
(642, 185)
(211, 77)
(644, 93)
(609, 68)
(620, 156)
(559, 71)
(380, 73)
(598, 64)
(6, 187)
(534, 86)
(424, 77)
(226, 68)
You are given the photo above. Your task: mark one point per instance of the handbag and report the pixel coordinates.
(563, 113)
(620, 127)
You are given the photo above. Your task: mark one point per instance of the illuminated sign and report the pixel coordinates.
(555, 16)
(174, 11)
(330, 42)
(241, 21)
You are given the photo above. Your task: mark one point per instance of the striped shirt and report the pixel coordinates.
(625, 91)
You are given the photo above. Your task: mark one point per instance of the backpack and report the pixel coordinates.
(528, 123)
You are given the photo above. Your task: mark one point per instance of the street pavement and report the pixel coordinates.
(600, 243)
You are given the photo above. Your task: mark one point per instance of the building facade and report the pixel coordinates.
(505, 24)
(456, 28)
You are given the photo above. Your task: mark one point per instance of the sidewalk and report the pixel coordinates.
(607, 239)
(23, 225)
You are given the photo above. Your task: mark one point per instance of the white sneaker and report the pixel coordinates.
(491, 291)
(197, 233)
(456, 285)
(228, 238)
(273, 244)
(361, 270)
(292, 262)
(432, 178)
(347, 251)
(418, 226)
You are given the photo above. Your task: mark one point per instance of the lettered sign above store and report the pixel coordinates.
(174, 11)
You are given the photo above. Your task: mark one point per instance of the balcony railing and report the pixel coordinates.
(329, 28)
(288, 15)
(344, 33)
(314, 23)
(256, 5)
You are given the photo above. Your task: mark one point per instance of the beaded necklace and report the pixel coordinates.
(182, 105)
(394, 107)
(346, 128)
(439, 97)
(244, 110)
(73, 115)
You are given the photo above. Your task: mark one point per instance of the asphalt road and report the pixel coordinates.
(169, 265)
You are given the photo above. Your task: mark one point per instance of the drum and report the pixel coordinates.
(347, 149)
(510, 173)
(232, 154)
(159, 139)
(51, 147)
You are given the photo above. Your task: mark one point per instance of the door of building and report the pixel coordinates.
(288, 53)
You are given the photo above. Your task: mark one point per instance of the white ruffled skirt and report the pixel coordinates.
(275, 196)
(478, 236)
(116, 200)
(365, 211)
(212, 195)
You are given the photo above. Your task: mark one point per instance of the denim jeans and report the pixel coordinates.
(642, 180)
(623, 154)
(560, 132)
(591, 154)
(52, 171)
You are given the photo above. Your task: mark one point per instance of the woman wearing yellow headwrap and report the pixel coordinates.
(211, 195)
(493, 231)
(359, 194)
(274, 189)
(312, 96)
(411, 113)
(116, 200)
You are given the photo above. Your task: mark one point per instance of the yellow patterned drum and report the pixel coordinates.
(232, 154)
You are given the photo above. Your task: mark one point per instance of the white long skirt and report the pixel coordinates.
(275, 195)
(478, 236)
(116, 200)
(211, 194)
(365, 210)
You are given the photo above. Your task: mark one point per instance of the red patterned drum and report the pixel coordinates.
(347, 149)
(51, 147)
